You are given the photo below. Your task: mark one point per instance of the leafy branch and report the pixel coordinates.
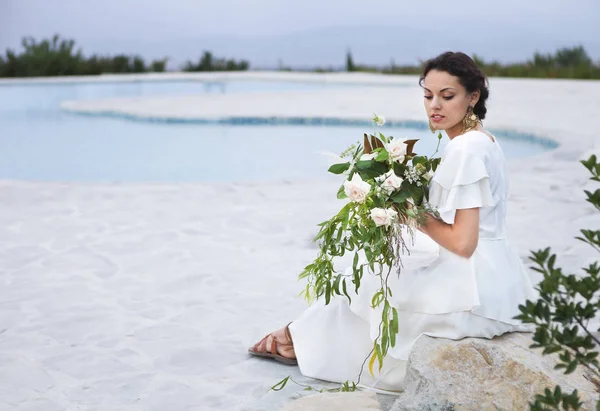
(566, 304)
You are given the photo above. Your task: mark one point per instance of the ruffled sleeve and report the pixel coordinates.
(461, 181)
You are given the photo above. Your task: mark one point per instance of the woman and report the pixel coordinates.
(461, 280)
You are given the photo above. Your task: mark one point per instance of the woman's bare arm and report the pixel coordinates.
(461, 237)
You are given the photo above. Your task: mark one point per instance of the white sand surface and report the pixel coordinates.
(145, 297)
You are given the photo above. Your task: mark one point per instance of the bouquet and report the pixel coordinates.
(387, 187)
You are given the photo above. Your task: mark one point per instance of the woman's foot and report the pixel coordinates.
(277, 345)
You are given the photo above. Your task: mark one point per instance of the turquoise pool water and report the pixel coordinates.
(38, 141)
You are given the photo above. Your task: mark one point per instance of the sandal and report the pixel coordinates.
(260, 348)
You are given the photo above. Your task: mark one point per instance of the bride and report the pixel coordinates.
(462, 278)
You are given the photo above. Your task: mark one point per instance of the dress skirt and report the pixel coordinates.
(433, 296)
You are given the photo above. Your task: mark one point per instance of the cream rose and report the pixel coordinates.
(356, 189)
(383, 216)
(396, 149)
(390, 182)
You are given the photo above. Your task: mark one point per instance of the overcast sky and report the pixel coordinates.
(103, 26)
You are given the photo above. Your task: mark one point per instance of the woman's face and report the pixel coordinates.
(446, 101)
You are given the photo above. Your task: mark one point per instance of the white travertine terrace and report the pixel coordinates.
(145, 296)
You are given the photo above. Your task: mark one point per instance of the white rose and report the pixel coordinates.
(393, 214)
(356, 189)
(396, 150)
(379, 120)
(369, 156)
(383, 217)
(391, 182)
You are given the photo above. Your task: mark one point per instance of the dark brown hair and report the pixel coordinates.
(469, 75)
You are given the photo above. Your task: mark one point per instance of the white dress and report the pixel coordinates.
(438, 293)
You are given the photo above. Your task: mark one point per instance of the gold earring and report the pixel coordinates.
(470, 120)
(431, 127)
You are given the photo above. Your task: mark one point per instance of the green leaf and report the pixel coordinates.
(399, 169)
(356, 279)
(557, 393)
(371, 168)
(281, 384)
(336, 284)
(393, 328)
(571, 367)
(551, 350)
(590, 163)
(377, 299)
(341, 194)
(382, 156)
(368, 253)
(386, 310)
(346, 291)
(417, 194)
(379, 356)
(394, 323)
(384, 341)
(401, 196)
(339, 168)
(419, 160)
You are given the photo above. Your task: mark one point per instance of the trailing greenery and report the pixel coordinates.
(60, 57)
(566, 304)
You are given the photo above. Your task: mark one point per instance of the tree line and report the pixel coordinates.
(573, 63)
(59, 57)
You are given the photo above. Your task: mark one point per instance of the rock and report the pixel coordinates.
(339, 401)
(481, 374)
